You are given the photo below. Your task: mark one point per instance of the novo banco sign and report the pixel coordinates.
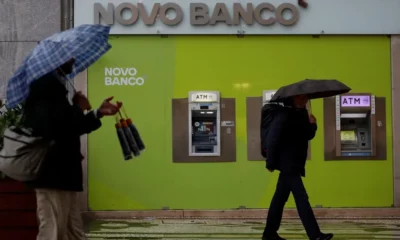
(200, 14)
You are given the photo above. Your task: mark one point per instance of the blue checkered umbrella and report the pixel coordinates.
(86, 43)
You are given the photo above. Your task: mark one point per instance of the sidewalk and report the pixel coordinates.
(235, 229)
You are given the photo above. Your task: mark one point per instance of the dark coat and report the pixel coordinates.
(50, 115)
(287, 140)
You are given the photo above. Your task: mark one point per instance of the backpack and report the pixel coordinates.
(268, 112)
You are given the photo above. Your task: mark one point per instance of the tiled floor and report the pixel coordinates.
(235, 229)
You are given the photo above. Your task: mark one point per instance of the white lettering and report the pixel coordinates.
(122, 77)
(116, 71)
(116, 81)
(132, 81)
(124, 71)
(124, 81)
(108, 71)
(139, 81)
(132, 72)
(108, 81)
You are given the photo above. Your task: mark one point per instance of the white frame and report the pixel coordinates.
(192, 105)
(339, 118)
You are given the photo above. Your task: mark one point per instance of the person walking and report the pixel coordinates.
(287, 147)
(48, 112)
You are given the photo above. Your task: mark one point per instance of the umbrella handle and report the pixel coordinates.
(123, 123)
(309, 107)
(124, 111)
(120, 114)
(67, 80)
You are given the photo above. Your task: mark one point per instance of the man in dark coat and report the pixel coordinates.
(287, 147)
(48, 112)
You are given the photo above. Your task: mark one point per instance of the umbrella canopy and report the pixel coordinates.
(312, 88)
(86, 43)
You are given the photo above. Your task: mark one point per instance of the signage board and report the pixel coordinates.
(256, 17)
(355, 101)
(204, 97)
(200, 14)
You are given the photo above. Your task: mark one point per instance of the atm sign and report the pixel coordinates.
(355, 101)
(204, 97)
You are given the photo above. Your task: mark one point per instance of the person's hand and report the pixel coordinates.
(313, 119)
(108, 108)
(270, 167)
(82, 101)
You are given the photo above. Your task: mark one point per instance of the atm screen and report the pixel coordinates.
(348, 137)
(204, 127)
(204, 133)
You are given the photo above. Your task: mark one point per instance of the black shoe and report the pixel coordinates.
(324, 236)
(275, 237)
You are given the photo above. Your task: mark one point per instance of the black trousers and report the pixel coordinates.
(291, 183)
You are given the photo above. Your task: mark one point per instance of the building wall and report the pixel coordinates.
(238, 68)
(22, 24)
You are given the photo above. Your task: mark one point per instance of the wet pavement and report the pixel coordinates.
(235, 229)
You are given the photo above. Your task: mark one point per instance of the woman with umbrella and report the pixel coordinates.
(286, 149)
(40, 84)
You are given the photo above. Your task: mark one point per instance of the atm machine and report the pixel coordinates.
(355, 125)
(204, 123)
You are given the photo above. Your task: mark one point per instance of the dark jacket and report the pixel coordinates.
(50, 115)
(287, 140)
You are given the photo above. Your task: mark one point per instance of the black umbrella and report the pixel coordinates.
(134, 131)
(128, 134)
(312, 88)
(126, 151)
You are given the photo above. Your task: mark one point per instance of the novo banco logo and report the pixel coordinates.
(122, 77)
